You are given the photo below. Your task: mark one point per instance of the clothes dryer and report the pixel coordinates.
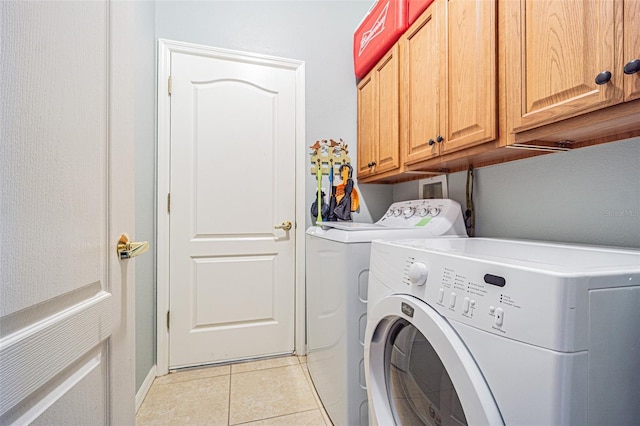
(337, 269)
(491, 332)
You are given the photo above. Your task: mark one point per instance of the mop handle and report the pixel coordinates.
(319, 177)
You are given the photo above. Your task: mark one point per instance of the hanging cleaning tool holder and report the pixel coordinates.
(328, 154)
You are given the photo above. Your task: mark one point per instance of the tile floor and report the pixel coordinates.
(275, 391)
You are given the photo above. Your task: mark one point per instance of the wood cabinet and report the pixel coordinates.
(631, 57)
(448, 69)
(564, 59)
(420, 48)
(378, 118)
(470, 81)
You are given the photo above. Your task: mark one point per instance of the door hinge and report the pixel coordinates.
(168, 319)
(169, 85)
(169, 203)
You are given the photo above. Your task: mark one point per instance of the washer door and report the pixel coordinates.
(420, 372)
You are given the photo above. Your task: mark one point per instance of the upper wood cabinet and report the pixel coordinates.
(378, 118)
(631, 58)
(420, 49)
(566, 58)
(471, 80)
(449, 80)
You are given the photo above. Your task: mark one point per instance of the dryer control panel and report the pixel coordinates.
(530, 291)
(507, 300)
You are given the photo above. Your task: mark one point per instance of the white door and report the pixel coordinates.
(66, 194)
(232, 183)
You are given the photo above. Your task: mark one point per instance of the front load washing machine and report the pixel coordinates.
(492, 332)
(337, 269)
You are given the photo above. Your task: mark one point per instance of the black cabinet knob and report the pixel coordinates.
(632, 67)
(432, 142)
(371, 164)
(603, 78)
(439, 138)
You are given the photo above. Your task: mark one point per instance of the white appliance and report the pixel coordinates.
(493, 332)
(337, 265)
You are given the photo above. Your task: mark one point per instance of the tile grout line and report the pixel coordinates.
(265, 369)
(195, 379)
(274, 417)
(258, 371)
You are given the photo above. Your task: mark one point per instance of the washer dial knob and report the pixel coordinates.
(418, 273)
(422, 211)
(434, 211)
(408, 212)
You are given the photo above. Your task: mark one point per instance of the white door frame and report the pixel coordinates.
(165, 48)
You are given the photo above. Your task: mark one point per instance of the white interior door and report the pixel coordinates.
(232, 273)
(66, 167)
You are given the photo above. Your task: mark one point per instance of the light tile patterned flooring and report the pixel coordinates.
(275, 391)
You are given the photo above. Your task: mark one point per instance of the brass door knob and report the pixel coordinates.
(127, 249)
(286, 225)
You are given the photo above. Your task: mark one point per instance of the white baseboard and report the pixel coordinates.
(144, 389)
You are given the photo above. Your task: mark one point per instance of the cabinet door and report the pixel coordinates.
(367, 124)
(419, 87)
(631, 47)
(555, 50)
(468, 69)
(388, 147)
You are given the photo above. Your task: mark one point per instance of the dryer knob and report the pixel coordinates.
(418, 273)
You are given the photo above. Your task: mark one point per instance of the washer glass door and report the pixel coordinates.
(419, 371)
(419, 388)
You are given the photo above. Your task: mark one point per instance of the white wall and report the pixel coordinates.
(590, 195)
(317, 32)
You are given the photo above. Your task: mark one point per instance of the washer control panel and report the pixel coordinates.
(435, 214)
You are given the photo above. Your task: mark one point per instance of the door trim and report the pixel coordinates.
(165, 48)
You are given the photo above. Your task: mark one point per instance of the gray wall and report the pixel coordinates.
(320, 33)
(145, 187)
(590, 196)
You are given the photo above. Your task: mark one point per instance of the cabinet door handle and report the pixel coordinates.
(439, 138)
(632, 67)
(603, 78)
(432, 142)
(371, 164)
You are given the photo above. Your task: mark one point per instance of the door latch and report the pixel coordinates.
(286, 225)
(128, 249)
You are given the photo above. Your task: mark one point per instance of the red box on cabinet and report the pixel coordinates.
(379, 30)
(415, 9)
